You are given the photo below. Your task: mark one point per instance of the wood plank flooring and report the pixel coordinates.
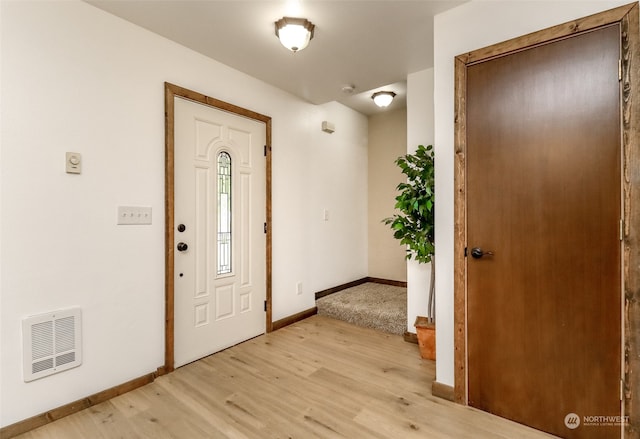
(318, 378)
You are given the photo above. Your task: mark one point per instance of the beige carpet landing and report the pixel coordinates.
(372, 305)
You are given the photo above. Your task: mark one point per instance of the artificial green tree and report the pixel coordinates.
(414, 226)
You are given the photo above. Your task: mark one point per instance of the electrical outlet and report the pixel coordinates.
(299, 288)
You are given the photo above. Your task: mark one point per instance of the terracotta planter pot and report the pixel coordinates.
(426, 337)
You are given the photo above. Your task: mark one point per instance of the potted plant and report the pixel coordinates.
(414, 226)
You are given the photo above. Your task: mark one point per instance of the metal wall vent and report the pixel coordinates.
(51, 343)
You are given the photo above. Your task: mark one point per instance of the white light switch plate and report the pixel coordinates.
(134, 215)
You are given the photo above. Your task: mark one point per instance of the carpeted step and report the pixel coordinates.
(373, 305)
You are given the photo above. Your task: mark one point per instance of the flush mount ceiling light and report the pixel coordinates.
(383, 98)
(294, 33)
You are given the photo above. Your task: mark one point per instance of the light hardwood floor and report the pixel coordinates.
(318, 378)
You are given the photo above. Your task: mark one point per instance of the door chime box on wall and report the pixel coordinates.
(51, 343)
(328, 127)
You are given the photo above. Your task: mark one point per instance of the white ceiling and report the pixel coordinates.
(371, 45)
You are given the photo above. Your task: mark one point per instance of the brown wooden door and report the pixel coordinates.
(543, 195)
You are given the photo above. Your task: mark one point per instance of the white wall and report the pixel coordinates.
(74, 78)
(335, 167)
(472, 26)
(419, 132)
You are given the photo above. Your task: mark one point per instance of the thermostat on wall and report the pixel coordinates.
(73, 163)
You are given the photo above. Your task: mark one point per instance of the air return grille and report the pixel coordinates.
(51, 343)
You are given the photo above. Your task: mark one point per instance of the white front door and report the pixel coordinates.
(220, 244)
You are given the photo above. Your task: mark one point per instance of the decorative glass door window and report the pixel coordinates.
(224, 213)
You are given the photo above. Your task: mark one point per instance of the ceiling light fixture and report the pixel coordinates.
(294, 33)
(383, 98)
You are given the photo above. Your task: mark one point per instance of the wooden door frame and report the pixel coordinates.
(170, 92)
(627, 17)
